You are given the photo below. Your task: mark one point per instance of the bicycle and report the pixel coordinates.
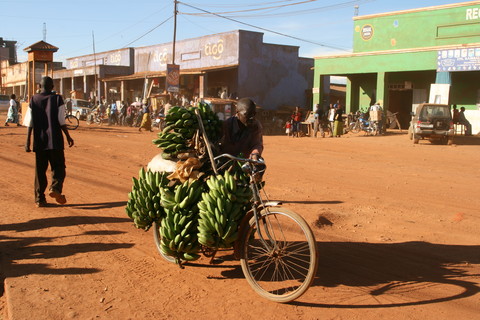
(71, 122)
(94, 117)
(392, 121)
(276, 247)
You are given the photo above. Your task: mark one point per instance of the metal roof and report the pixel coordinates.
(41, 46)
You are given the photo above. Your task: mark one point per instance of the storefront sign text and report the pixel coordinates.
(214, 49)
(161, 57)
(472, 14)
(464, 59)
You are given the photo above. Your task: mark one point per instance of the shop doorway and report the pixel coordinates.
(401, 101)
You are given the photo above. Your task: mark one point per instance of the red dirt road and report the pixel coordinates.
(396, 225)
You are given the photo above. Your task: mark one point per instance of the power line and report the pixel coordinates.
(267, 8)
(129, 27)
(241, 5)
(143, 35)
(265, 29)
(273, 8)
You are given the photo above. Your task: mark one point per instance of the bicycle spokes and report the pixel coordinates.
(279, 255)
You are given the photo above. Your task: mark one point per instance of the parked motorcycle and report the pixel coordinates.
(364, 124)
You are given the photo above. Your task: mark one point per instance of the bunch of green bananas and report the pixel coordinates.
(221, 210)
(179, 227)
(143, 205)
(181, 124)
(211, 123)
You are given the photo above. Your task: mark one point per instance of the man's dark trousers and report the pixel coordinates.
(56, 158)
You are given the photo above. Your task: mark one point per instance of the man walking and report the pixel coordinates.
(46, 118)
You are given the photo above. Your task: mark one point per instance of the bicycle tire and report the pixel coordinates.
(157, 238)
(296, 258)
(71, 122)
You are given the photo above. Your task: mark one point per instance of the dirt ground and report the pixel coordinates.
(396, 225)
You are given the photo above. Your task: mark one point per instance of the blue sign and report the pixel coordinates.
(462, 59)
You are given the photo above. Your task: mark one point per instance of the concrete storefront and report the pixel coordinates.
(397, 56)
(237, 63)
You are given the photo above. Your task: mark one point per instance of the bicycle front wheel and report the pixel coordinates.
(283, 266)
(72, 122)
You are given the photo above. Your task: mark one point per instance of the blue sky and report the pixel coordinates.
(324, 24)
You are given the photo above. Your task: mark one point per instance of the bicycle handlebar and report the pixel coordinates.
(226, 155)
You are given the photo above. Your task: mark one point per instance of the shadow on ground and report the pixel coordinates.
(467, 140)
(96, 206)
(376, 275)
(16, 252)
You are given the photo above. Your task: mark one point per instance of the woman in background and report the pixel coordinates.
(12, 115)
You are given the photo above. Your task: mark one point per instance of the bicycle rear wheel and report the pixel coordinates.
(282, 268)
(72, 122)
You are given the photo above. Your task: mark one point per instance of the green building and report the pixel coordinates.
(397, 56)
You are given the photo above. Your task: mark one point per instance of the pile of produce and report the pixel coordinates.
(192, 206)
(181, 125)
(221, 209)
(179, 227)
(143, 205)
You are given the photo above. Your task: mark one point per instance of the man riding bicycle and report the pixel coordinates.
(243, 133)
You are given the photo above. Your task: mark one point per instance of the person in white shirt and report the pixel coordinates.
(12, 115)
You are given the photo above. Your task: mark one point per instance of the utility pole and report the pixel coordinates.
(95, 65)
(174, 29)
(172, 79)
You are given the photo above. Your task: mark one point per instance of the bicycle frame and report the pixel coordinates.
(249, 167)
(258, 204)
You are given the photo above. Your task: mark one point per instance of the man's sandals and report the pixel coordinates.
(60, 198)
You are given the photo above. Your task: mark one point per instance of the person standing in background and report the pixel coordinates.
(316, 121)
(113, 119)
(465, 122)
(455, 113)
(338, 121)
(123, 114)
(331, 119)
(146, 120)
(288, 127)
(297, 118)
